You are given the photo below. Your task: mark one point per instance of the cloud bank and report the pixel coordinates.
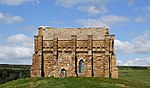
(71, 3)
(103, 21)
(7, 19)
(135, 62)
(17, 48)
(17, 2)
(138, 45)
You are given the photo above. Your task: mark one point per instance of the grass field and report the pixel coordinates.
(140, 76)
(129, 77)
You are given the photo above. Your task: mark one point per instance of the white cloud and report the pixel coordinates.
(20, 53)
(138, 62)
(19, 38)
(135, 62)
(93, 10)
(92, 7)
(70, 3)
(147, 8)
(119, 62)
(140, 44)
(103, 21)
(141, 19)
(11, 52)
(124, 47)
(17, 2)
(9, 19)
(17, 49)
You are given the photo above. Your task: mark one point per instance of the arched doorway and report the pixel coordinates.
(63, 72)
(81, 66)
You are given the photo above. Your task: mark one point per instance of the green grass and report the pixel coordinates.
(71, 83)
(140, 76)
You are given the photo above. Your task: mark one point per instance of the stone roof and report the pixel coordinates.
(65, 33)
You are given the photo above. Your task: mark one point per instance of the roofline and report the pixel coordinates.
(47, 27)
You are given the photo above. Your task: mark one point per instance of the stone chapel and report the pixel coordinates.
(74, 52)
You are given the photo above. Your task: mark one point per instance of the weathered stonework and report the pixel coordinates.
(65, 52)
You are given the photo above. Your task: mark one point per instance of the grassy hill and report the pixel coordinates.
(129, 77)
(71, 83)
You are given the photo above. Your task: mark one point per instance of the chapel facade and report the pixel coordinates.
(73, 52)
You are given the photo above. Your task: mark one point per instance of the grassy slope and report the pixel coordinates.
(132, 77)
(70, 83)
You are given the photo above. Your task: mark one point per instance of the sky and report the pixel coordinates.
(129, 20)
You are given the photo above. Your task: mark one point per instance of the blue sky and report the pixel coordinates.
(129, 20)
